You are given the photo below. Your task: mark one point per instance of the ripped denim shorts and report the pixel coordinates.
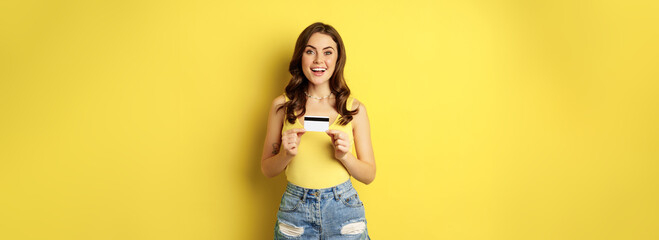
(328, 213)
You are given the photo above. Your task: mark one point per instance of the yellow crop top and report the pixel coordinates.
(314, 166)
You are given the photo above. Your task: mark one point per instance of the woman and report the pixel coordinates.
(319, 201)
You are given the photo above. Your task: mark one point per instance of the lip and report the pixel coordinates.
(318, 73)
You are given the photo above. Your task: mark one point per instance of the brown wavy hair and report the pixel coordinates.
(299, 83)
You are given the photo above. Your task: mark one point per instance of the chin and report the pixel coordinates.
(318, 81)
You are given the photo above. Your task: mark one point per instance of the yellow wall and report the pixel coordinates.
(491, 120)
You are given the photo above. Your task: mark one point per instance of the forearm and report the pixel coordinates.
(274, 165)
(361, 170)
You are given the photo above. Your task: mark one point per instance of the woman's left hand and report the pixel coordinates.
(341, 142)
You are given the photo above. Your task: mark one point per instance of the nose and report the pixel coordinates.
(318, 59)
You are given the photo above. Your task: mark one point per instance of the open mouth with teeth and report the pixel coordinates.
(319, 69)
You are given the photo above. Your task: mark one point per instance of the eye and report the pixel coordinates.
(309, 52)
(328, 53)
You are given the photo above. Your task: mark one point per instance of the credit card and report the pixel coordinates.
(316, 123)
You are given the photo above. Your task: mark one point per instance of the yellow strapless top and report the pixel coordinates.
(314, 166)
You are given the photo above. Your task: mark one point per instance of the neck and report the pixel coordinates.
(318, 91)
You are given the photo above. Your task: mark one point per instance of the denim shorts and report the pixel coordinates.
(328, 213)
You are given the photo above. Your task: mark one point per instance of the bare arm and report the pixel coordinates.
(274, 161)
(361, 167)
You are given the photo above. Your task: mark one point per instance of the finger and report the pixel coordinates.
(331, 137)
(332, 132)
(295, 131)
(342, 148)
(341, 142)
(337, 133)
(288, 145)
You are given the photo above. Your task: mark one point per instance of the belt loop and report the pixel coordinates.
(336, 195)
(304, 195)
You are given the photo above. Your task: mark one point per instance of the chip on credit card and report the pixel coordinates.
(316, 123)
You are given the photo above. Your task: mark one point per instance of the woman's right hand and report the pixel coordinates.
(290, 140)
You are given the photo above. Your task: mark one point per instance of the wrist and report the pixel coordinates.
(344, 158)
(285, 156)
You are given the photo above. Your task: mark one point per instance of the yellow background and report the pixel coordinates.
(490, 119)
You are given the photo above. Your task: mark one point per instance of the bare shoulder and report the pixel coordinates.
(356, 104)
(361, 118)
(361, 125)
(277, 102)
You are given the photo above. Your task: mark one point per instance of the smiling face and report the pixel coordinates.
(319, 58)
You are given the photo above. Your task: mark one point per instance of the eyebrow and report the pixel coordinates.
(323, 48)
